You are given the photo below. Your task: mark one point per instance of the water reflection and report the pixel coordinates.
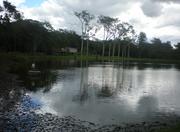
(45, 79)
(35, 79)
(106, 92)
(107, 87)
(83, 92)
(147, 106)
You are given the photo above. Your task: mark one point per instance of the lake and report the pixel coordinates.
(103, 92)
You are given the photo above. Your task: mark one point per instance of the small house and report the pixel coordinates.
(72, 50)
(69, 50)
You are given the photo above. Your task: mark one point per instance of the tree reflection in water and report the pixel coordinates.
(107, 88)
(34, 81)
(84, 86)
(105, 83)
(43, 80)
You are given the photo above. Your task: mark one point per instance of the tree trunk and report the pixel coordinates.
(82, 43)
(113, 50)
(122, 52)
(87, 50)
(119, 48)
(109, 50)
(103, 50)
(82, 40)
(125, 52)
(128, 51)
(103, 44)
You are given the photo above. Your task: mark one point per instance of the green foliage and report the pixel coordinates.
(142, 39)
(9, 13)
(84, 16)
(156, 41)
(33, 36)
(177, 51)
(172, 129)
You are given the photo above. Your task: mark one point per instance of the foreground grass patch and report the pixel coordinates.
(173, 129)
(23, 57)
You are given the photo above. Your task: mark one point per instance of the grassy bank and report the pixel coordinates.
(21, 57)
(173, 129)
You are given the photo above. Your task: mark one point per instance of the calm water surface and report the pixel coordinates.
(106, 93)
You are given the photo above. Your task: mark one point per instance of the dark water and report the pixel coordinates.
(103, 93)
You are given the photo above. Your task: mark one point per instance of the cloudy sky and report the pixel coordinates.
(157, 18)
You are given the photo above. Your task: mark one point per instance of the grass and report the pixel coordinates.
(173, 129)
(21, 57)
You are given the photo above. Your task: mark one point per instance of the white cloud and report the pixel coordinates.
(171, 16)
(61, 13)
(167, 1)
(151, 9)
(158, 18)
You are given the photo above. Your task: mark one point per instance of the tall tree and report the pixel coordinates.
(9, 13)
(114, 32)
(91, 33)
(142, 39)
(156, 41)
(85, 18)
(178, 47)
(106, 23)
(126, 33)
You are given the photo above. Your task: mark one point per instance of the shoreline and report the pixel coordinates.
(22, 57)
(31, 121)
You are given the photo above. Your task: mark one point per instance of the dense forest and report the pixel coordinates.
(30, 36)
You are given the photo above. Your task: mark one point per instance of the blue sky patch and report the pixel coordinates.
(33, 3)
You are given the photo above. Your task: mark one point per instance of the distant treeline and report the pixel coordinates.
(30, 36)
(33, 36)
